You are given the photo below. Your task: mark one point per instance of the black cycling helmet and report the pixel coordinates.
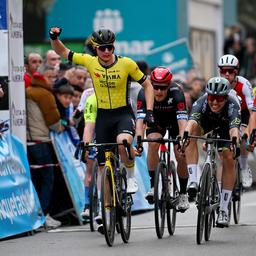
(103, 37)
(218, 86)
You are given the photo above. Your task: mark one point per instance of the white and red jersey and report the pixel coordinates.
(254, 105)
(243, 89)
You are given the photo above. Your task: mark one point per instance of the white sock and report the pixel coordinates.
(192, 171)
(130, 172)
(243, 162)
(224, 200)
(219, 185)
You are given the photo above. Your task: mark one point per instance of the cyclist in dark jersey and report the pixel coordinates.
(216, 110)
(169, 111)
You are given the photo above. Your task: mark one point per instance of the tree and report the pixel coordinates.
(37, 6)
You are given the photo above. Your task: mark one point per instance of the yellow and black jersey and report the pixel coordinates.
(111, 83)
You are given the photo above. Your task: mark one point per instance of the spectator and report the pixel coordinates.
(52, 59)
(42, 117)
(1, 91)
(248, 63)
(32, 62)
(196, 88)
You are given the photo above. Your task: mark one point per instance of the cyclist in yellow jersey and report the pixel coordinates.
(90, 113)
(111, 76)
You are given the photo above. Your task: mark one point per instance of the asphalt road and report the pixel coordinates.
(78, 240)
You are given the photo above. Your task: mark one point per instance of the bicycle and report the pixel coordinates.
(93, 194)
(208, 196)
(166, 191)
(238, 189)
(116, 203)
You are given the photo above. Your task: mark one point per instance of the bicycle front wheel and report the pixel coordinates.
(124, 215)
(160, 198)
(237, 194)
(173, 196)
(203, 195)
(93, 192)
(108, 206)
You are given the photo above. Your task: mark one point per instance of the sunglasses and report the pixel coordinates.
(103, 48)
(218, 98)
(229, 70)
(160, 87)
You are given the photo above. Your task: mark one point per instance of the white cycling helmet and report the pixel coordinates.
(218, 86)
(228, 60)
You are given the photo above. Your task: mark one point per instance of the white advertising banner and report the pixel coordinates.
(16, 69)
(3, 53)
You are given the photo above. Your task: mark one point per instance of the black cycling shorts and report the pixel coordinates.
(245, 115)
(110, 123)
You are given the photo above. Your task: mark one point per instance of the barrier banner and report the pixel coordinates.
(143, 179)
(20, 209)
(73, 170)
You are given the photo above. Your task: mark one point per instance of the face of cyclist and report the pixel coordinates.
(105, 53)
(34, 62)
(216, 102)
(160, 91)
(229, 73)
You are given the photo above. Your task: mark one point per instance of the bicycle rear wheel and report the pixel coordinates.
(173, 193)
(160, 198)
(201, 215)
(93, 193)
(236, 197)
(108, 206)
(124, 214)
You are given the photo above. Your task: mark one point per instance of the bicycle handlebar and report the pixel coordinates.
(86, 146)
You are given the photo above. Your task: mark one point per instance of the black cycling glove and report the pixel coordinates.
(149, 118)
(54, 35)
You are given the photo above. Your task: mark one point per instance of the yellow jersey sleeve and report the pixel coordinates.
(90, 110)
(82, 59)
(134, 70)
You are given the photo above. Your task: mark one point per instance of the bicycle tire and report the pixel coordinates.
(236, 197)
(210, 216)
(93, 193)
(107, 206)
(203, 188)
(173, 195)
(160, 198)
(124, 215)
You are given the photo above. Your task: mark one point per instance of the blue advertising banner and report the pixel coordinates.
(174, 55)
(143, 179)
(140, 26)
(3, 18)
(73, 170)
(20, 210)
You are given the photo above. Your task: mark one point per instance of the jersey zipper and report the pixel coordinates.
(110, 105)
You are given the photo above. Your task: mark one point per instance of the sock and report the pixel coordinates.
(243, 162)
(192, 171)
(224, 200)
(152, 177)
(183, 185)
(130, 170)
(86, 194)
(219, 185)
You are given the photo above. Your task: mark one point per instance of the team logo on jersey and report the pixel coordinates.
(97, 75)
(236, 121)
(170, 101)
(181, 106)
(139, 104)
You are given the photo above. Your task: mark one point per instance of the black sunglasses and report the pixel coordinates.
(160, 87)
(103, 48)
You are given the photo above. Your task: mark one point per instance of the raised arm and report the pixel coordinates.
(56, 44)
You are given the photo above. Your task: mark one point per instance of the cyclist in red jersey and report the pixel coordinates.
(228, 67)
